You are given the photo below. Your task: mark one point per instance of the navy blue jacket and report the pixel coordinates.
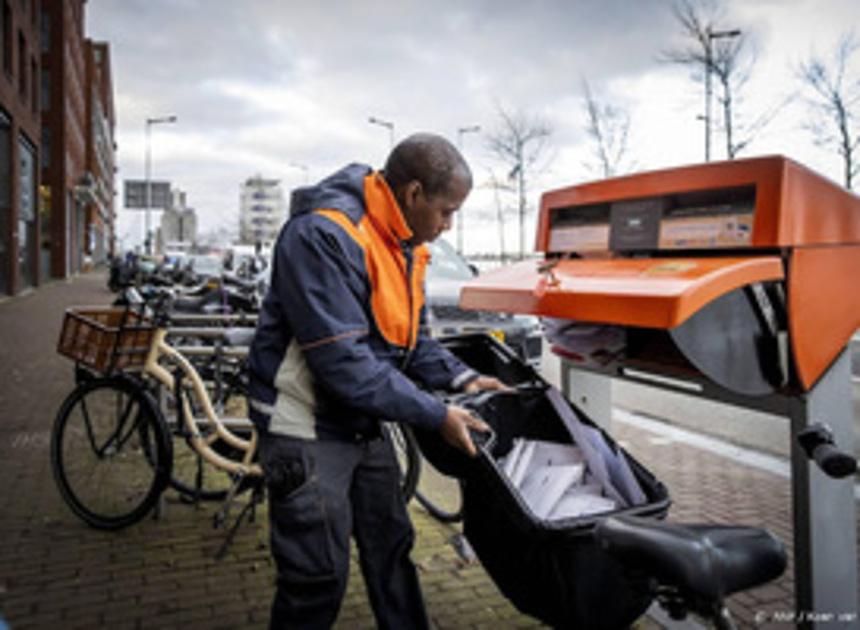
(340, 343)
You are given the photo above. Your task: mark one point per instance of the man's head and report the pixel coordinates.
(430, 180)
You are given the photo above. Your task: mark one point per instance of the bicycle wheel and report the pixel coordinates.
(440, 495)
(408, 457)
(110, 453)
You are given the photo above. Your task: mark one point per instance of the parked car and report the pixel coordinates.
(446, 275)
(205, 266)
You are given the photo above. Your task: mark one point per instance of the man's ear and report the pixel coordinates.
(411, 192)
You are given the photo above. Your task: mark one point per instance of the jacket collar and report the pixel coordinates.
(383, 209)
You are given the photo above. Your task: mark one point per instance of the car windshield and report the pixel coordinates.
(446, 263)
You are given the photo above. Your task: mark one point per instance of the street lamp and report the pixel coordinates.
(709, 55)
(460, 132)
(148, 184)
(386, 124)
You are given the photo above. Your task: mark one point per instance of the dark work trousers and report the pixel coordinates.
(320, 493)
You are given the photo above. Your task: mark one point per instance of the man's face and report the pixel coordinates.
(428, 217)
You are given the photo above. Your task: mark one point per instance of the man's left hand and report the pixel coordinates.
(484, 382)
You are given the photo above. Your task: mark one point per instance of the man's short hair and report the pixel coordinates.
(428, 158)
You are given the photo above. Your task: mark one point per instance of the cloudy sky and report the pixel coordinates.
(284, 88)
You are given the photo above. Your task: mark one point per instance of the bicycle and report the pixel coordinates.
(111, 446)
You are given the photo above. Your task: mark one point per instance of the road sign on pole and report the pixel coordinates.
(135, 194)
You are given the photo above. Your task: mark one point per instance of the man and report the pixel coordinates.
(339, 347)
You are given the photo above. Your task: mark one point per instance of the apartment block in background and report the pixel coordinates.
(19, 137)
(178, 229)
(262, 211)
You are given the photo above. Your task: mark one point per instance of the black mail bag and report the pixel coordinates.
(552, 570)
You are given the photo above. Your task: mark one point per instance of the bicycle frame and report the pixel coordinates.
(159, 348)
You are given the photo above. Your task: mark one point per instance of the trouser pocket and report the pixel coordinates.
(300, 534)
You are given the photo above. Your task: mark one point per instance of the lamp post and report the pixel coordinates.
(709, 62)
(386, 124)
(460, 132)
(148, 164)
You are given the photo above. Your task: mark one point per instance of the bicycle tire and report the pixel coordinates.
(114, 423)
(447, 509)
(408, 457)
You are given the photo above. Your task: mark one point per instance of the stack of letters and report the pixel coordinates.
(551, 478)
(560, 481)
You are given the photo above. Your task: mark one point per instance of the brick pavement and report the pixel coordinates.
(55, 571)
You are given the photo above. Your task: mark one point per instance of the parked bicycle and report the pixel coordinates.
(141, 419)
(112, 449)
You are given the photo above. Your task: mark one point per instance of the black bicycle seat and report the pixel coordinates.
(712, 561)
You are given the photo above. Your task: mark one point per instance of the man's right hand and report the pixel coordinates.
(455, 429)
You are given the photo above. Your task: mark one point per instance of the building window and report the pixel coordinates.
(45, 93)
(7, 38)
(45, 34)
(5, 198)
(34, 85)
(45, 152)
(22, 64)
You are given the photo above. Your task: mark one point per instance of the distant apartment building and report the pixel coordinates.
(262, 211)
(19, 138)
(178, 229)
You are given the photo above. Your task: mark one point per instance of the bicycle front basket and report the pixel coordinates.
(104, 338)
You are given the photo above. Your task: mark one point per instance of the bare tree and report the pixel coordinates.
(498, 186)
(717, 52)
(836, 103)
(608, 126)
(520, 141)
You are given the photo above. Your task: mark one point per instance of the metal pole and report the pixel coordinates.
(147, 175)
(709, 62)
(147, 185)
(460, 132)
(387, 124)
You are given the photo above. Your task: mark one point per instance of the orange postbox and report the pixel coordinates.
(741, 275)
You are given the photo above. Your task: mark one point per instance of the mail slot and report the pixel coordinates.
(740, 277)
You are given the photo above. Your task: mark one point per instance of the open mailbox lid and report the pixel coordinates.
(654, 249)
(647, 292)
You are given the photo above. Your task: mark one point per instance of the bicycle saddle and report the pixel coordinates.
(712, 561)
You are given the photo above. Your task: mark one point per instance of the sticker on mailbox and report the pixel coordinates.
(668, 268)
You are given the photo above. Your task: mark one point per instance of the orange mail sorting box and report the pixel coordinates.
(742, 278)
(655, 249)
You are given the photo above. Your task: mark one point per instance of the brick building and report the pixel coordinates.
(63, 137)
(19, 138)
(101, 152)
